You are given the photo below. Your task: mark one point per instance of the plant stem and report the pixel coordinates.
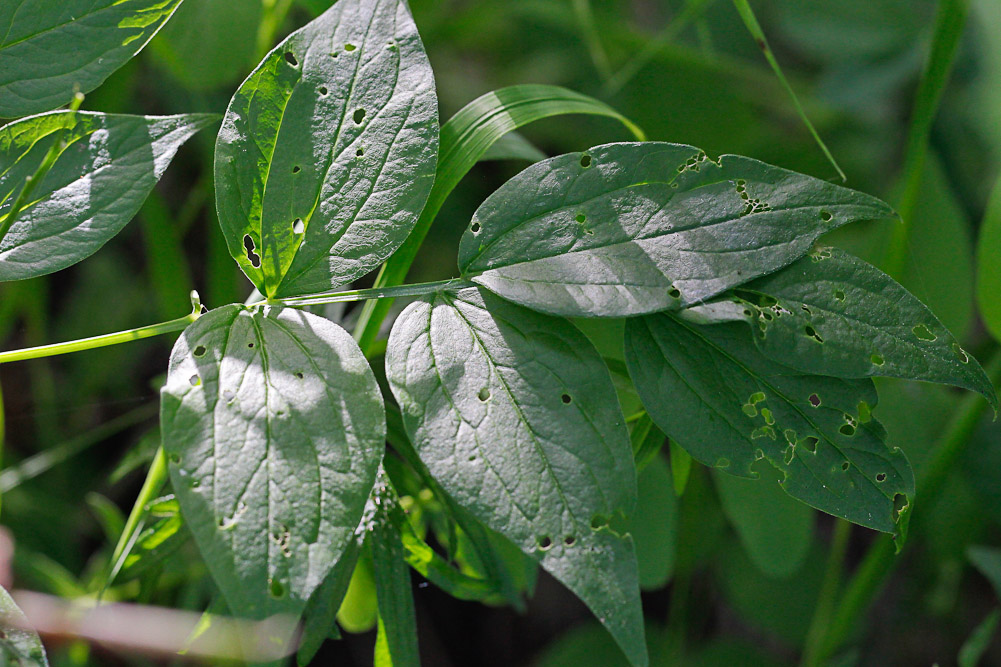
(419, 289)
(585, 16)
(98, 341)
(880, 560)
(828, 597)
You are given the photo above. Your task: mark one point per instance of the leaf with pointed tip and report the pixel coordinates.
(17, 646)
(327, 151)
(105, 166)
(274, 428)
(715, 394)
(834, 314)
(515, 415)
(53, 48)
(632, 228)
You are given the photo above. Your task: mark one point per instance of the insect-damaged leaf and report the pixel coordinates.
(274, 428)
(632, 228)
(54, 48)
(720, 398)
(515, 415)
(327, 151)
(833, 314)
(17, 646)
(59, 212)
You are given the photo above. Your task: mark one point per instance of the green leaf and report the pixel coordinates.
(513, 146)
(633, 228)
(54, 48)
(717, 396)
(274, 428)
(396, 641)
(154, 545)
(515, 416)
(988, 266)
(833, 314)
(654, 525)
(70, 181)
(979, 640)
(17, 646)
(327, 151)
(776, 531)
(988, 561)
(320, 616)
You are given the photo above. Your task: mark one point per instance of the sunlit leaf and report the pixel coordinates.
(18, 647)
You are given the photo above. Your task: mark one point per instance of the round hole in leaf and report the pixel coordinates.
(474, 228)
(826, 216)
(195, 380)
(296, 169)
(349, 47)
(722, 463)
(569, 540)
(323, 91)
(846, 466)
(881, 477)
(199, 351)
(922, 332)
(810, 444)
(359, 116)
(250, 344)
(877, 360)
(581, 218)
(598, 521)
(484, 394)
(847, 429)
(298, 226)
(360, 152)
(814, 400)
(585, 161)
(291, 59)
(566, 398)
(675, 293)
(277, 589)
(545, 542)
(299, 374)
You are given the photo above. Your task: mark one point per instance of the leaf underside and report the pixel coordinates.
(327, 152)
(52, 48)
(102, 175)
(715, 394)
(17, 646)
(515, 415)
(633, 228)
(274, 427)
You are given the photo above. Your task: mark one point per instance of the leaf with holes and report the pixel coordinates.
(327, 152)
(70, 181)
(274, 427)
(833, 314)
(17, 646)
(633, 228)
(54, 48)
(515, 415)
(716, 395)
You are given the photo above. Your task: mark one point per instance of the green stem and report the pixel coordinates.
(419, 289)
(273, 15)
(98, 341)
(585, 15)
(751, 21)
(880, 560)
(828, 596)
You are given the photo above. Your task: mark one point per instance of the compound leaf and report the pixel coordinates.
(515, 415)
(327, 151)
(17, 646)
(632, 228)
(274, 427)
(70, 181)
(54, 48)
(715, 394)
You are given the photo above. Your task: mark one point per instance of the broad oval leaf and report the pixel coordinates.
(833, 314)
(632, 228)
(327, 151)
(274, 427)
(76, 179)
(715, 394)
(18, 647)
(54, 48)
(515, 415)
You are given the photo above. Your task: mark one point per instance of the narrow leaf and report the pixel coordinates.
(327, 151)
(52, 49)
(989, 266)
(17, 646)
(70, 181)
(274, 428)
(515, 415)
(979, 640)
(633, 228)
(717, 396)
(833, 314)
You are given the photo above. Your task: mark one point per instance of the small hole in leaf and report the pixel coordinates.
(359, 116)
(195, 380)
(722, 463)
(569, 540)
(814, 400)
(296, 169)
(545, 542)
(810, 444)
(566, 399)
(323, 91)
(360, 152)
(846, 466)
(847, 429)
(291, 59)
(349, 47)
(174, 458)
(826, 216)
(960, 353)
(248, 244)
(598, 521)
(300, 375)
(298, 226)
(877, 360)
(474, 228)
(199, 351)
(899, 505)
(250, 345)
(839, 295)
(881, 477)
(484, 395)
(922, 332)
(585, 161)
(472, 457)
(228, 396)
(277, 589)
(675, 293)
(581, 218)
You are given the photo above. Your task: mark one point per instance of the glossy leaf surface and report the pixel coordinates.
(274, 428)
(327, 151)
(716, 395)
(104, 167)
(54, 48)
(515, 416)
(632, 228)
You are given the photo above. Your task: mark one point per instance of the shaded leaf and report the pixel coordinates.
(654, 525)
(989, 265)
(104, 167)
(274, 428)
(53, 48)
(18, 647)
(327, 151)
(717, 396)
(632, 228)
(515, 416)
(979, 640)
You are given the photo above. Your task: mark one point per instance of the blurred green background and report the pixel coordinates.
(732, 570)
